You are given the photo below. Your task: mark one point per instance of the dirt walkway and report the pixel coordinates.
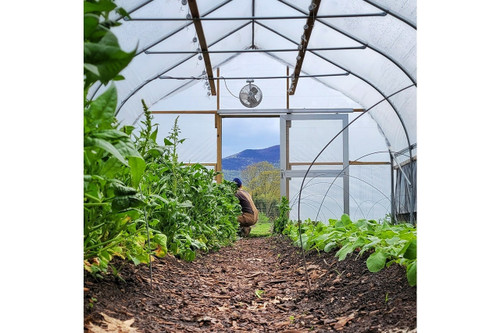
(257, 285)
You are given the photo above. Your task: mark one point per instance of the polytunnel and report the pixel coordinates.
(339, 75)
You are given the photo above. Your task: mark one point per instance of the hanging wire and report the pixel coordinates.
(228, 88)
(314, 160)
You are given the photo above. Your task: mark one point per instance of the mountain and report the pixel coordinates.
(234, 164)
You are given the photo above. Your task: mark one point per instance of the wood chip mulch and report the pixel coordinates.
(256, 285)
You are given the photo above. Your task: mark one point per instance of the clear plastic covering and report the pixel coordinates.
(359, 54)
(199, 133)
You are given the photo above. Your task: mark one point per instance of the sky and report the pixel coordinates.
(244, 133)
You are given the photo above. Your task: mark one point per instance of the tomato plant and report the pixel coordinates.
(193, 211)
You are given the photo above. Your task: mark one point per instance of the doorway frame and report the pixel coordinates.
(286, 171)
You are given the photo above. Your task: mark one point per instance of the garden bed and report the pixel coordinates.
(256, 285)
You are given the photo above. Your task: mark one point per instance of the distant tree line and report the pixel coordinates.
(262, 180)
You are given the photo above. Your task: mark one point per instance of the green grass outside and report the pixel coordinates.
(261, 229)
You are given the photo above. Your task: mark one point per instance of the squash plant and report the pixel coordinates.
(386, 243)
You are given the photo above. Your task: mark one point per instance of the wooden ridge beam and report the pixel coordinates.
(313, 12)
(195, 14)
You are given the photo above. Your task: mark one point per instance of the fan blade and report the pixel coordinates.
(252, 100)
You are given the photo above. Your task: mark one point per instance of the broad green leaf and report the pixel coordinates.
(105, 255)
(411, 273)
(374, 241)
(105, 145)
(112, 167)
(345, 219)
(188, 255)
(102, 109)
(359, 242)
(91, 68)
(332, 222)
(137, 167)
(127, 148)
(387, 233)
(411, 251)
(321, 238)
(90, 24)
(123, 202)
(393, 240)
(107, 55)
(154, 152)
(376, 261)
(344, 251)
(101, 6)
(121, 189)
(361, 224)
(135, 260)
(109, 134)
(304, 241)
(160, 239)
(330, 246)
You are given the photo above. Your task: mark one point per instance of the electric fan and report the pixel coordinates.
(250, 95)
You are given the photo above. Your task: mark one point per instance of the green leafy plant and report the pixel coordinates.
(386, 243)
(139, 200)
(282, 220)
(113, 168)
(103, 57)
(188, 207)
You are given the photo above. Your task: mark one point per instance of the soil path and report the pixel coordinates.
(257, 285)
